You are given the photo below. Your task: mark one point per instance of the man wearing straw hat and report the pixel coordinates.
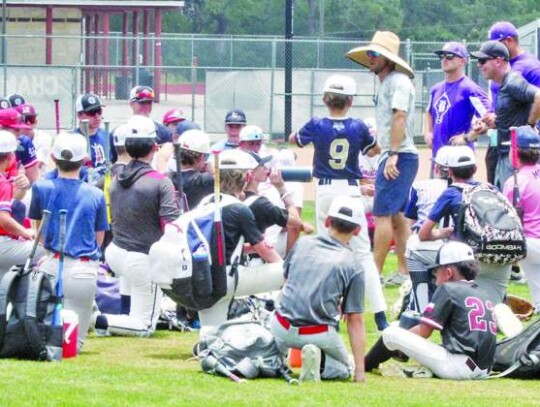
(394, 106)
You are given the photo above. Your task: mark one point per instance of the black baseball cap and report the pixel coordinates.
(87, 102)
(16, 99)
(235, 116)
(4, 103)
(492, 49)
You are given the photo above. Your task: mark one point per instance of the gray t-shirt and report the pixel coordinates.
(142, 201)
(395, 93)
(320, 271)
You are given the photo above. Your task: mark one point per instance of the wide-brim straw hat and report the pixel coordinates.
(387, 44)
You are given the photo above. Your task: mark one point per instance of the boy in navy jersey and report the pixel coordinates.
(337, 140)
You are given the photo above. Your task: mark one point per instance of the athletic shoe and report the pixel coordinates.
(311, 364)
(517, 276)
(421, 372)
(397, 279)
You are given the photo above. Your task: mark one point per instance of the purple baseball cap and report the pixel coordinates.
(502, 30)
(455, 48)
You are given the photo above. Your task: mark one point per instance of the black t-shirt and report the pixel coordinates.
(266, 213)
(196, 185)
(461, 311)
(238, 220)
(514, 101)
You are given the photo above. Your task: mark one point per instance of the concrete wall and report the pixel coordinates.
(31, 21)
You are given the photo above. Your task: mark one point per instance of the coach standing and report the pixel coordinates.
(454, 102)
(518, 102)
(394, 105)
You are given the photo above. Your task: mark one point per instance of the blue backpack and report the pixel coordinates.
(185, 263)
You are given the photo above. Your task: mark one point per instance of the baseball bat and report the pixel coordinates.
(57, 114)
(56, 318)
(217, 212)
(42, 226)
(516, 197)
(107, 125)
(178, 176)
(284, 372)
(219, 367)
(85, 130)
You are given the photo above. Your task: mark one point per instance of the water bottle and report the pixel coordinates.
(202, 274)
(296, 174)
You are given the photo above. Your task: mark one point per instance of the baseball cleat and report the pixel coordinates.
(311, 364)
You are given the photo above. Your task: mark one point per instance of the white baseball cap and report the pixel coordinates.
(251, 133)
(454, 252)
(443, 154)
(195, 140)
(348, 209)
(236, 160)
(461, 156)
(141, 127)
(8, 142)
(120, 134)
(340, 84)
(70, 147)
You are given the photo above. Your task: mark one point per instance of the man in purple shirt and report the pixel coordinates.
(454, 102)
(520, 61)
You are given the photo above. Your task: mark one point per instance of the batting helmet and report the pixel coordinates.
(195, 140)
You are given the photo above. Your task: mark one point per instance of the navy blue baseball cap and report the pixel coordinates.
(185, 126)
(235, 116)
(527, 137)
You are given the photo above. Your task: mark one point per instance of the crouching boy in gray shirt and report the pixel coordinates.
(322, 283)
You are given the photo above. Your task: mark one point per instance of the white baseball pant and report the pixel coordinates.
(531, 268)
(15, 252)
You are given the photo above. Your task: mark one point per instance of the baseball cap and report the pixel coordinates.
(341, 85)
(185, 126)
(491, 49)
(236, 160)
(526, 138)
(8, 142)
(16, 99)
(454, 252)
(12, 119)
(347, 208)
(141, 94)
(455, 48)
(141, 127)
(4, 103)
(260, 159)
(195, 140)
(235, 116)
(443, 154)
(26, 109)
(173, 115)
(120, 134)
(461, 156)
(502, 30)
(69, 147)
(251, 133)
(87, 102)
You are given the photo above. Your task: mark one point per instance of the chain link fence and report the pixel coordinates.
(207, 76)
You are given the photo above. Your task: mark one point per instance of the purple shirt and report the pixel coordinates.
(527, 65)
(452, 111)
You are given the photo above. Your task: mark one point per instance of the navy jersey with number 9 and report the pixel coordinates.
(337, 142)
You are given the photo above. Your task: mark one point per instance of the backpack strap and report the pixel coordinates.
(527, 359)
(5, 288)
(35, 280)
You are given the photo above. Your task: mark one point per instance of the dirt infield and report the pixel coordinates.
(305, 158)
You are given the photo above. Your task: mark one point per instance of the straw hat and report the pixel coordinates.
(387, 44)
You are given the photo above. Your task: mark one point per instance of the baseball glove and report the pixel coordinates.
(520, 306)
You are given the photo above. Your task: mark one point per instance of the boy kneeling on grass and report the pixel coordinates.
(321, 274)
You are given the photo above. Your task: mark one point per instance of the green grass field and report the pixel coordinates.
(159, 371)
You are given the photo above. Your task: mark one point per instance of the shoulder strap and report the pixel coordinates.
(5, 288)
(35, 280)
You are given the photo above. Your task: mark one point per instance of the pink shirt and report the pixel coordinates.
(528, 180)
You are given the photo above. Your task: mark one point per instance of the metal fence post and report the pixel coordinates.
(272, 78)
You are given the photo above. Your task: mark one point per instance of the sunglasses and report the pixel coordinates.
(30, 119)
(94, 112)
(145, 94)
(448, 57)
(482, 61)
(373, 54)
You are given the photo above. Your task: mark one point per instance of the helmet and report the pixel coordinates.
(141, 127)
(251, 133)
(195, 140)
(16, 99)
(8, 142)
